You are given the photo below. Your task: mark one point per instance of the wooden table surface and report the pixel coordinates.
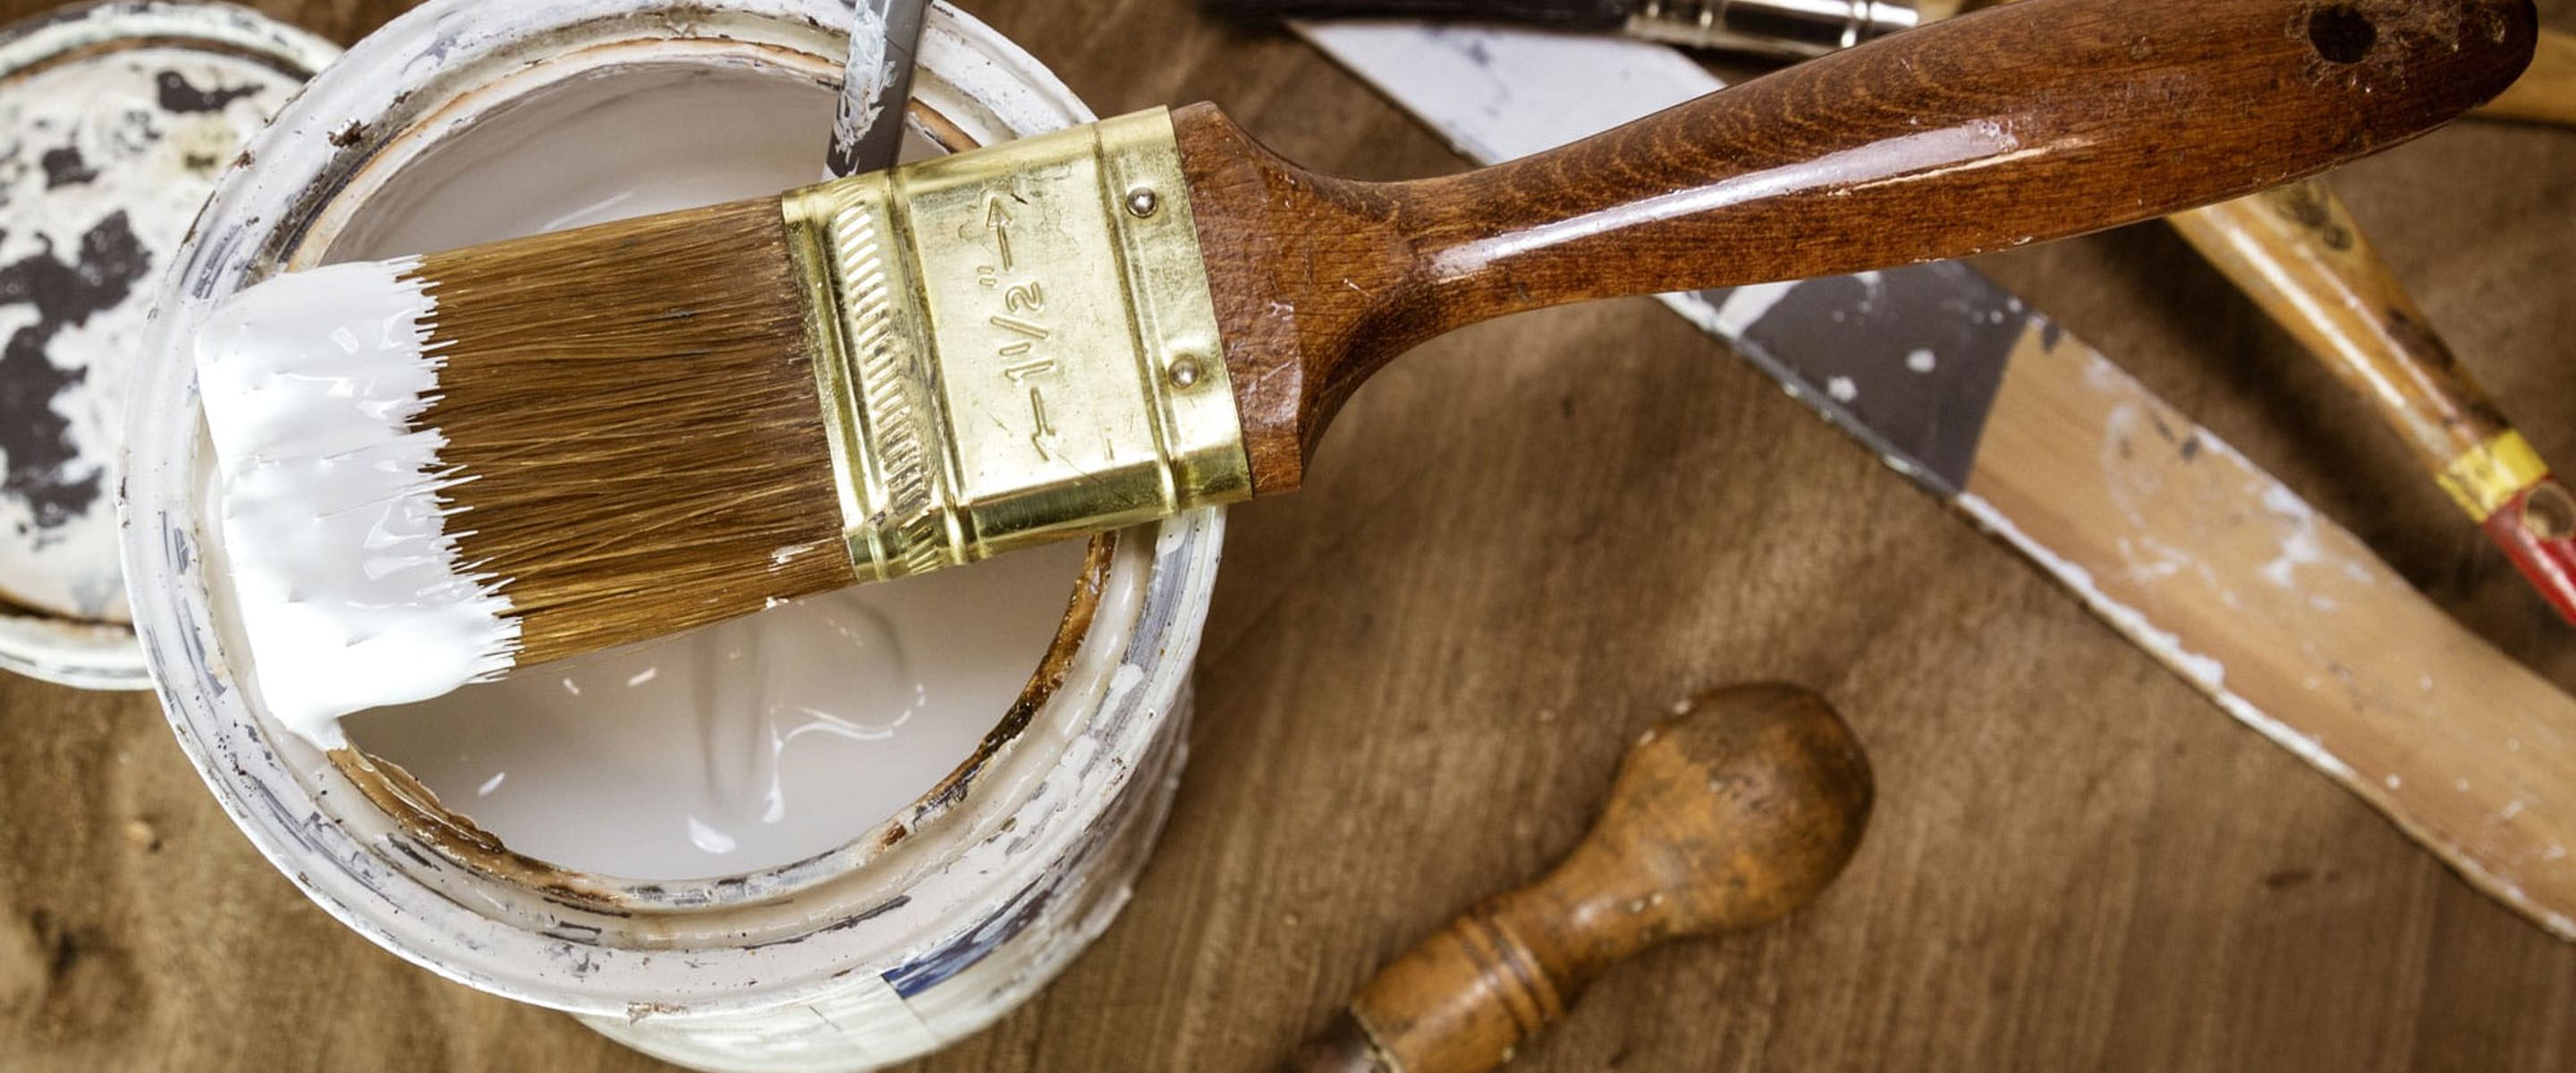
(1519, 548)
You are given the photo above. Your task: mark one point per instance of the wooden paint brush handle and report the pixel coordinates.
(2024, 123)
(2547, 92)
(1727, 818)
(2297, 252)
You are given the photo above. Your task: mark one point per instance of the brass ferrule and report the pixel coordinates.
(1016, 345)
(1801, 28)
(2485, 478)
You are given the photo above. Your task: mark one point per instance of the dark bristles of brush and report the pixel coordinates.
(632, 410)
(1563, 14)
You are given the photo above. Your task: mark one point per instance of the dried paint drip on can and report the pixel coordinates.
(115, 120)
(969, 768)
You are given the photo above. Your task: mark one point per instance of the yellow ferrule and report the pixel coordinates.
(1016, 345)
(2489, 476)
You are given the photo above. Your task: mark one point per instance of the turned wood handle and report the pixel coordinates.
(2022, 123)
(2297, 252)
(1727, 818)
(2547, 92)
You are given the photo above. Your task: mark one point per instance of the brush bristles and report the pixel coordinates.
(631, 409)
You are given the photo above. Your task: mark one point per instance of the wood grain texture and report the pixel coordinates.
(2298, 253)
(2229, 579)
(1412, 695)
(2051, 118)
(2547, 92)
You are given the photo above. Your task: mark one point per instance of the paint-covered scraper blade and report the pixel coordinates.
(2193, 552)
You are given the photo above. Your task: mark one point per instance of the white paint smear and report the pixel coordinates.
(346, 573)
(2204, 671)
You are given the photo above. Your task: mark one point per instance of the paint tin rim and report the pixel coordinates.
(384, 157)
(96, 655)
(356, 874)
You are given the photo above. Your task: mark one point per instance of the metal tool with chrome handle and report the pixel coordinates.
(1797, 29)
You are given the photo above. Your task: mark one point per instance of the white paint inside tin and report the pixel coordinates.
(751, 745)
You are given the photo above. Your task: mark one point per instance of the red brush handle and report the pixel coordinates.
(2537, 529)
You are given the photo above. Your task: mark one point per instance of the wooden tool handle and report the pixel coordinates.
(1727, 818)
(2018, 124)
(2547, 92)
(2297, 252)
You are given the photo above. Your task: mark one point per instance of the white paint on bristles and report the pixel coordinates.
(346, 573)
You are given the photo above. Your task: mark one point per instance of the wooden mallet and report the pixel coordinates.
(1724, 819)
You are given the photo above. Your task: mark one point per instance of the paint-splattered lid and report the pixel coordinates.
(115, 119)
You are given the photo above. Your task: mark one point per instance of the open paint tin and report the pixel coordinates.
(465, 121)
(115, 119)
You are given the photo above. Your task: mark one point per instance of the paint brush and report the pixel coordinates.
(2297, 252)
(876, 85)
(1726, 818)
(1783, 28)
(439, 468)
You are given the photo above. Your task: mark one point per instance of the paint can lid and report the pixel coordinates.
(115, 120)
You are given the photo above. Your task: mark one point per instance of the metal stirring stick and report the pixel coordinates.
(885, 37)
